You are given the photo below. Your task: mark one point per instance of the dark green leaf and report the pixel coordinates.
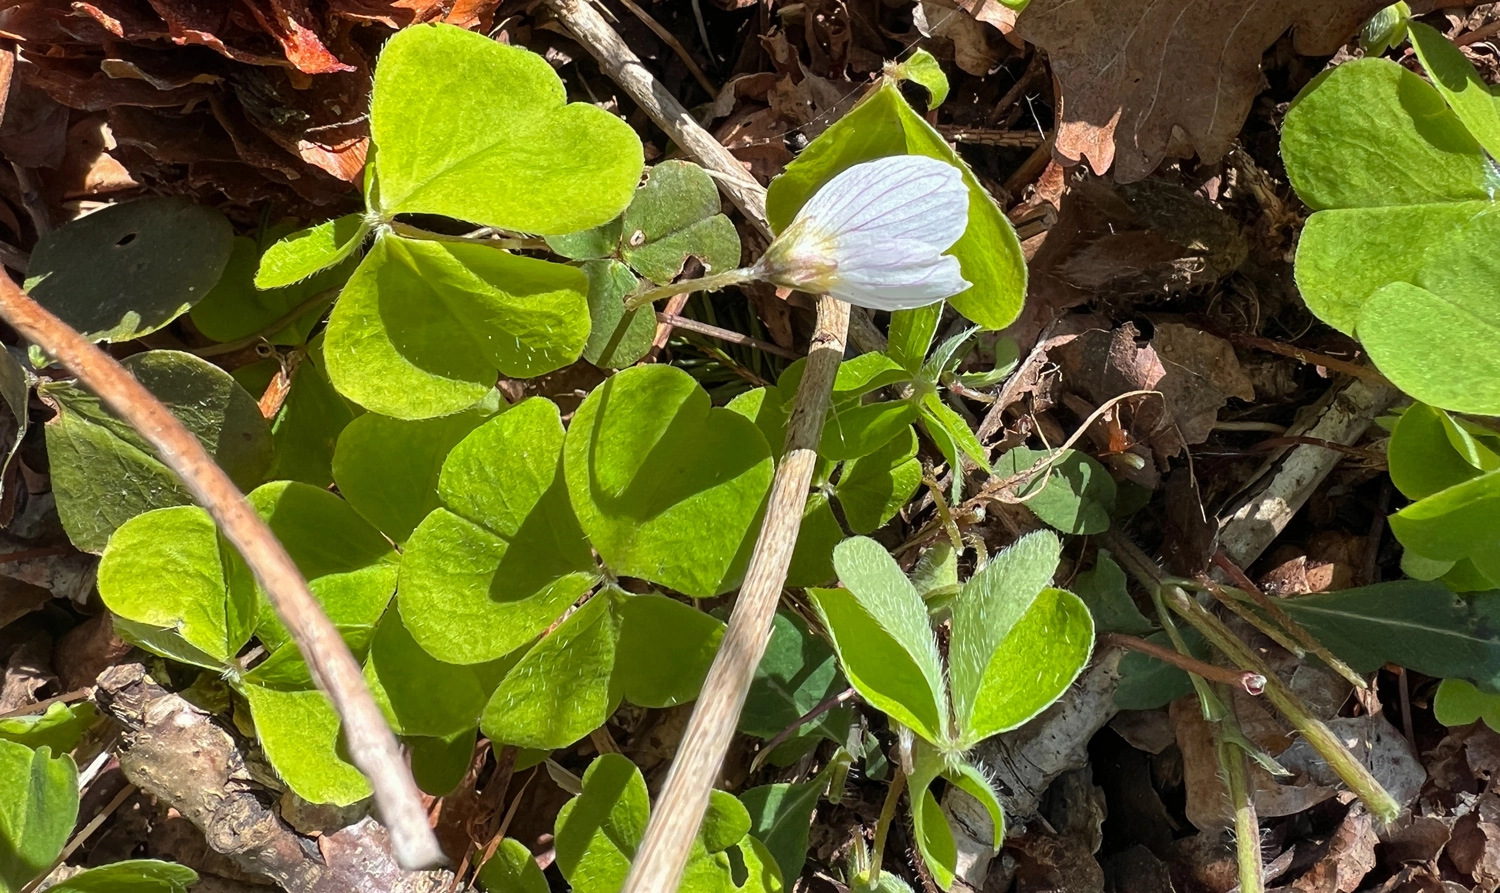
(37, 812)
(664, 651)
(617, 338)
(129, 269)
(104, 474)
(131, 876)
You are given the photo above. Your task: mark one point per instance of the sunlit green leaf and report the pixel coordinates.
(504, 557)
(667, 488)
(467, 127)
(299, 732)
(298, 256)
(131, 876)
(424, 327)
(37, 812)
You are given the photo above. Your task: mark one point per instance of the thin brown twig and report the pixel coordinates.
(372, 747)
(625, 68)
(663, 852)
(39, 552)
(1249, 683)
(1333, 364)
(76, 694)
(703, 328)
(777, 739)
(671, 40)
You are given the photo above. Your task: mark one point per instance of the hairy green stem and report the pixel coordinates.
(883, 825)
(706, 283)
(1354, 773)
(1246, 822)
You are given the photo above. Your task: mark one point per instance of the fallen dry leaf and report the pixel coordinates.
(975, 45)
(1132, 72)
(1349, 857)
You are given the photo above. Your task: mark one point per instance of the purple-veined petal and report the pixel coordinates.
(899, 197)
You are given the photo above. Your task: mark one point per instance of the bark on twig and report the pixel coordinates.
(179, 755)
(684, 798)
(372, 746)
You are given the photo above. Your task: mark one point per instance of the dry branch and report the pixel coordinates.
(684, 798)
(177, 753)
(372, 746)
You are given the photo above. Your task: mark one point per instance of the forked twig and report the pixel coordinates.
(372, 746)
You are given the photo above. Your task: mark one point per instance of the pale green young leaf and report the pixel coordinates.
(1456, 79)
(129, 269)
(37, 812)
(1390, 169)
(880, 629)
(470, 128)
(664, 651)
(1405, 326)
(911, 333)
(299, 732)
(668, 488)
(1421, 458)
(61, 727)
(987, 610)
(504, 557)
(388, 468)
(424, 328)
(1458, 702)
(104, 473)
(131, 876)
(169, 575)
(725, 822)
(562, 688)
(298, 256)
(235, 308)
(884, 124)
(973, 782)
(937, 414)
(598, 831)
(1450, 525)
(1032, 666)
(922, 68)
(934, 837)
(512, 870)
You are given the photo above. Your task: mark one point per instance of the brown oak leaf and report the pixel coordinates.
(1134, 72)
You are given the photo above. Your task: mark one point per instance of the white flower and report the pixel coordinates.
(874, 236)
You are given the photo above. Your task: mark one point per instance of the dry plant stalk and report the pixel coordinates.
(663, 853)
(372, 746)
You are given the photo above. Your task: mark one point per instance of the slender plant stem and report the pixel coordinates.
(1293, 628)
(1243, 612)
(883, 824)
(1250, 683)
(671, 289)
(703, 328)
(664, 850)
(1246, 822)
(827, 704)
(371, 745)
(322, 298)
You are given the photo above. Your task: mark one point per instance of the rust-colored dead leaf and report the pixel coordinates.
(1133, 71)
(290, 22)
